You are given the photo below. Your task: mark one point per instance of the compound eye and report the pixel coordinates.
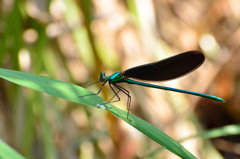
(103, 79)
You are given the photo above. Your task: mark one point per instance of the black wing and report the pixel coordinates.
(167, 69)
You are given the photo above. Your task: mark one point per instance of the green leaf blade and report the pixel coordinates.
(72, 92)
(8, 152)
(51, 86)
(153, 133)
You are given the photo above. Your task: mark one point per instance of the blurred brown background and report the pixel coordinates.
(75, 40)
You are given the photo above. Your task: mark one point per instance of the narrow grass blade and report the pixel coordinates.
(152, 132)
(7, 152)
(71, 92)
(51, 86)
(212, 133)
(217, 132)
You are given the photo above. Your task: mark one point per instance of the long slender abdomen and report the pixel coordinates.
(174, 89)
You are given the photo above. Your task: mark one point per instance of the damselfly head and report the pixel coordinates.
(102, 77)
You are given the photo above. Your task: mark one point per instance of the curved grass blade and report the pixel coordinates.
(51, 86)
(8, 152)
(216, 132)
(71, 92)
(153, 133)
(209, 134)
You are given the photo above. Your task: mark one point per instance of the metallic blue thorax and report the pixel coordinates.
(115, 78)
